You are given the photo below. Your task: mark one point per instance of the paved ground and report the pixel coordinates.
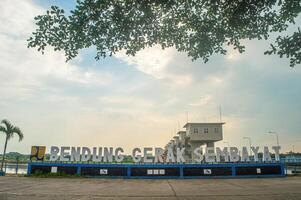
(100, 189)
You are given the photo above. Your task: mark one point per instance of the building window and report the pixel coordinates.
(206, 130)
(195, 130)
(215, 130)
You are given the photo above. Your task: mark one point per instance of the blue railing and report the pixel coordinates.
(291, 160)
(180, 171)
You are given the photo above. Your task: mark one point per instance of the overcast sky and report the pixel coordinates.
(139, 101)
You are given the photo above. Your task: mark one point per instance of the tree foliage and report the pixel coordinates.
(9, 130)
(198, 27)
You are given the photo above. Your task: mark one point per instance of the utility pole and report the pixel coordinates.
(220, 113)
(17, 164)
(186, 116)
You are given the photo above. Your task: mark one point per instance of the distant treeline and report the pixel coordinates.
(14, 156)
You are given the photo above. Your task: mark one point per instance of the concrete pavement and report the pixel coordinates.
(83, 188)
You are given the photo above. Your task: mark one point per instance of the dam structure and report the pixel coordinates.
(196, 135)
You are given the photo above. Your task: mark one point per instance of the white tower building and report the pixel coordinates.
(200, 134)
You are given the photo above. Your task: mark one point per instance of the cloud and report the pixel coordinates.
(25, 71)
(155, 62)
(17, 16)
(203, 101)
(139, 100)
(152, 61)
(247, 86)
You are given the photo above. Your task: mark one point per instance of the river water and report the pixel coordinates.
(10, 168)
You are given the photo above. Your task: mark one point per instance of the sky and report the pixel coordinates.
(139, 101)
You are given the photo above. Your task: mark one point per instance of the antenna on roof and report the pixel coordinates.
(186, 116)
(220, 113)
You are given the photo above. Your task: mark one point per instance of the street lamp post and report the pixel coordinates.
(277, 137)
(250, 144)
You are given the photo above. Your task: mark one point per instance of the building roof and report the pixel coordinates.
(205, 123)
(179, 132)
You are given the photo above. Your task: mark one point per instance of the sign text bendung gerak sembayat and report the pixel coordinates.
(158, 155)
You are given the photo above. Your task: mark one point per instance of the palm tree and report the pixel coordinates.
(9, 130)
